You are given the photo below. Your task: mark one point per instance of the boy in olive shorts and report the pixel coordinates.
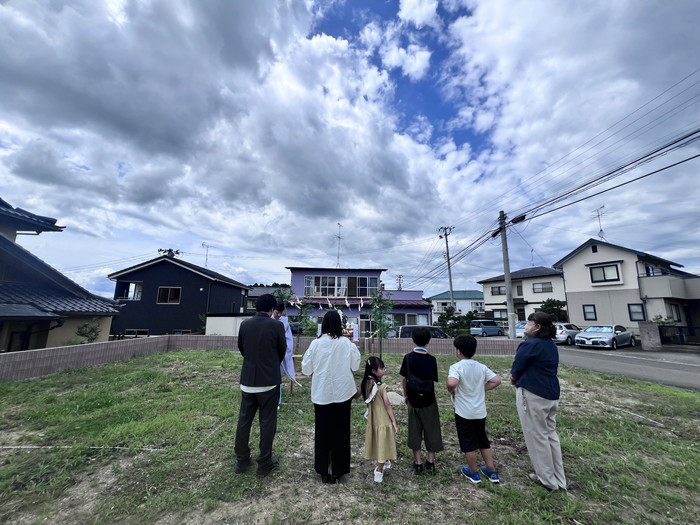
(420, 372)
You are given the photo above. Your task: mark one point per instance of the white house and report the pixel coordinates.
(530, 288)
(465, 301)
(610, 284)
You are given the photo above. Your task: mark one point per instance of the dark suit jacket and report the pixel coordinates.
(262, 342)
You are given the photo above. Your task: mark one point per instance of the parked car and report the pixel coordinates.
(520, 329)
(485, 327)
(605, 336)
(566, 333)
(436, 332)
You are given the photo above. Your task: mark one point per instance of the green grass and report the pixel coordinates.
(150, 440)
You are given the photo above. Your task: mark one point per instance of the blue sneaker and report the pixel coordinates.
(491, 476)
(471, 476)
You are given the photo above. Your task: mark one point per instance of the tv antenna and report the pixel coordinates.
(339, 237)
(599, 213)
(206, 256)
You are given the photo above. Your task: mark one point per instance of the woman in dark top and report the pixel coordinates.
(534, 373)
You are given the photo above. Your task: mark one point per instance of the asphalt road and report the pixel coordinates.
(675, 368)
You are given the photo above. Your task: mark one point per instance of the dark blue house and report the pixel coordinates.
(167, 295)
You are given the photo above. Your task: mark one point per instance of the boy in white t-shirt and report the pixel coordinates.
(467, 383)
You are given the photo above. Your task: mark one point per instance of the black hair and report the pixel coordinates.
(421, 335)
(332, 324)
(265, 303)
(466, 344)
(545, 320)
(373, 363)
(280, 306)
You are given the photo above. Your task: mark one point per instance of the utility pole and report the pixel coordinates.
(506, 274)
(399, 281)
(445, 232)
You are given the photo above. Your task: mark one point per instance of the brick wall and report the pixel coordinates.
(35, 363)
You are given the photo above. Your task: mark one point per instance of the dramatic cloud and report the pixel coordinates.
(252, 129)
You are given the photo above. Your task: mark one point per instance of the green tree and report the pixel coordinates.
(381, 320)
(556, 309)
(89, 330)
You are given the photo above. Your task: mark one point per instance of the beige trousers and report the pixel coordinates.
(538, 418)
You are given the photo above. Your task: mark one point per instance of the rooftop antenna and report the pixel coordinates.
(206, 256)
(399, 281)
(339, 237)
(599, 213)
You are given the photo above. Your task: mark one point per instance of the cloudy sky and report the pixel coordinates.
(249, 130)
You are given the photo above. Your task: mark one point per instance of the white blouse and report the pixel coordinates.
(331, 363)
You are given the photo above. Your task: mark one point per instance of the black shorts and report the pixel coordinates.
(471, 434)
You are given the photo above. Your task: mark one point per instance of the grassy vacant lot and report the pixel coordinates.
(150, 441)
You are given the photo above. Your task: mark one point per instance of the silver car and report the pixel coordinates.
(605, 336)
(566, 333)
(520, 329)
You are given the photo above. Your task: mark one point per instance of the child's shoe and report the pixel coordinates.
(492, 476)
(471, 476)
(418, 468)
(378, 476)
(430, 467)
(387, 465)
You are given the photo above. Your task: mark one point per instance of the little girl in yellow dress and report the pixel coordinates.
(380, 436)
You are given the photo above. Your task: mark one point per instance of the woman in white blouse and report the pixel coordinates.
(330, 361)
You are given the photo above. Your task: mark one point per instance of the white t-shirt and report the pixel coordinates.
(331, 363)
(470, 396)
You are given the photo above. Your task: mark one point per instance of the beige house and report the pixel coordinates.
(530, 287)
(610, 284)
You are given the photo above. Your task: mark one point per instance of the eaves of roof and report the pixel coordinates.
(24, 220)
(525, 273)
(53, 300)
(590, 242)
(205, 272)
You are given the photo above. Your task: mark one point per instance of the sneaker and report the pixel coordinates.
(430, 467)
(418, 468)
(378, 476)
(387, 465)
(492, 476)
(471, 476)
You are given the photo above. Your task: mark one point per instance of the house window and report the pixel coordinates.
(605, 274)
(676, 312)
(131, 291)
(332, 286)
(519, 290)
(498, 290)
(594, 248)
(636, 312)
(541, 287)
(168, 295)
(589, 312)
(500, 314)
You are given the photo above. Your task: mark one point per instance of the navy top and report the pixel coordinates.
(535, 367)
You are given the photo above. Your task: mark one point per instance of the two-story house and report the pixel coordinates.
(530, 288)
(465, 301)
(350, 291)
(167, 295)
(610, 284)
(39, 306)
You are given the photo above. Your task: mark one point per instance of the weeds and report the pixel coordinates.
(150, 440)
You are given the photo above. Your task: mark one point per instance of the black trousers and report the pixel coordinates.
(332, 447)
(266, 403)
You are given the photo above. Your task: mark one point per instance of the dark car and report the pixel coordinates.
(405, 331)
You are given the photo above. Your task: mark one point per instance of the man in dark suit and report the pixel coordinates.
(262, 343)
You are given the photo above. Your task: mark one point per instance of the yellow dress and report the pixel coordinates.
(380, 438)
